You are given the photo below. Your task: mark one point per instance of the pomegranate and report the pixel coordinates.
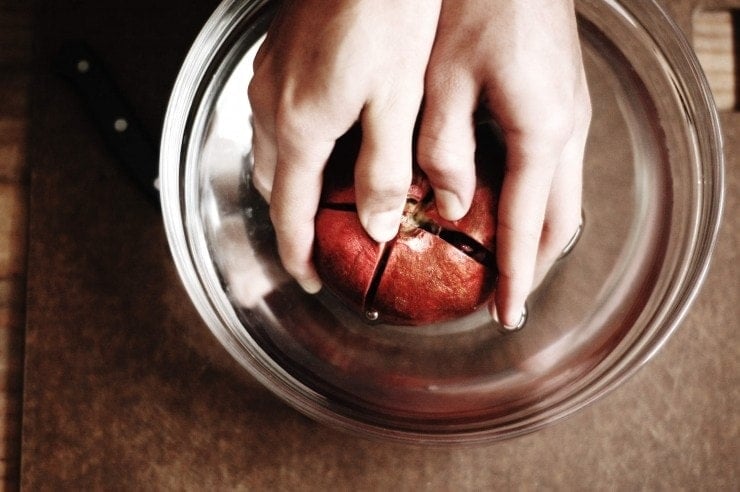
(434, 269)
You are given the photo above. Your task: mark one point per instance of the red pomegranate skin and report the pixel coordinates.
(433, 270)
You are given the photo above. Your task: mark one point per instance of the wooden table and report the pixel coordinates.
(15, 69)
(116, 395)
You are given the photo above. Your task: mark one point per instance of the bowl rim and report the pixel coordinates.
(199, 65)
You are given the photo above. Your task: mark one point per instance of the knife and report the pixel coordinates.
(112, 114)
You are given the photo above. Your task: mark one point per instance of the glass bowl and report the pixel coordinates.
(652, 198)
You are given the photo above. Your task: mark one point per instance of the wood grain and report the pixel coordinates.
(714, 42)
(12, 143)
(713, 37)
(15, 63)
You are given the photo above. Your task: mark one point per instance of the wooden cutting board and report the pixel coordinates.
(124, 387)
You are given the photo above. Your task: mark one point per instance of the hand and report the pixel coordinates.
(523, 60)
(323, 66)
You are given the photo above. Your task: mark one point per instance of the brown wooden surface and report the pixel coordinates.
(713, 38)
(165, 427)
(15, 67)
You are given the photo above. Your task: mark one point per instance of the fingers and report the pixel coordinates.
(564, 214)
(522, 206)
(264, 147)
(446, 143)
(295, 199)
(540, 205)
(383, 170)
(264, 153)
(318, 71)
(564, 209)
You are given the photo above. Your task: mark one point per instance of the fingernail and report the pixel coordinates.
(449, 205)
(573, 240)
(519, 324)
(509, 328)
(311, 285)
(383, 226)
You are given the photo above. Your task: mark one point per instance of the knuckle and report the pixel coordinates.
(521, 234)
(385, 190)
(562, 118)
(380, 191)
(290, 125)
(544, 137)
(256, 95)
(558, 124)
(441, 158)
(303, 122)
(398, 97)
(382, 179)
(445, 74)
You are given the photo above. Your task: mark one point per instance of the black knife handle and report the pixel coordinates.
(112, 114)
